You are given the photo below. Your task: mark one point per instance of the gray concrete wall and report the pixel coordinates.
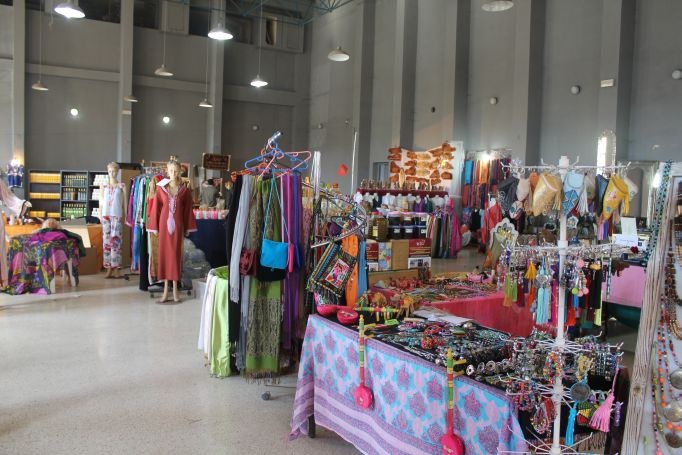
(656, 111)
(580, 42)
(86, 77)
(6, 43)
(569, 122)
(491, 73)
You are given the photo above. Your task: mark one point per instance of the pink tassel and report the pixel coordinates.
(601, 419)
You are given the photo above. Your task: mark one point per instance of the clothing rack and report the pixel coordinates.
(560, 344)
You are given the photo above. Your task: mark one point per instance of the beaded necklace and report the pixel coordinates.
(661, 198)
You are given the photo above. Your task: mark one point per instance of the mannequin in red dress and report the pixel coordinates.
(171, 217)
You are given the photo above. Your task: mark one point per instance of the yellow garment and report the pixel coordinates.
(616, 192)
(351, 246)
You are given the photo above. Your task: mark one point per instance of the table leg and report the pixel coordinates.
(72, 279)
(311, 427)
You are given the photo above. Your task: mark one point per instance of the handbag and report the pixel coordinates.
(273, 254)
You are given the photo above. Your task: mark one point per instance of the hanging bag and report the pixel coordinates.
(273, 255)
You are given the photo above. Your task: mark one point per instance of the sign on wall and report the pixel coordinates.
(215, 161)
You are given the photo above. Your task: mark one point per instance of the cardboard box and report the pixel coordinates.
(420, 247)
(385, 256)
(373, 277)
(400, 250)
(415, 263)
(372, 251)
(372, 266)
(89, 265)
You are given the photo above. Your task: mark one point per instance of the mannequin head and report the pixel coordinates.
(112, 170)
(174, 170)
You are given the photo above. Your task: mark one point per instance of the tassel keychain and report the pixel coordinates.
(570, 428)
(601, 418)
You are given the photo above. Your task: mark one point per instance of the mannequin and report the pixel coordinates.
(171, 216)
(113, 212)
(358, 198)
(410, 202)
(13, 205)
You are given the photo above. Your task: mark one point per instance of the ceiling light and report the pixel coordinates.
(40, 86)
(575, 89)
(205, 103)
(165, 119)
(163, 71)
(220, 33)
(130, 98)
(497, 5)
(258, 82)
(338, 55)
(677, 75)
(69, 9)
(74, 112)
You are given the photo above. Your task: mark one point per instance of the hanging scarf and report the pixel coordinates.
(220, 342)
(265, 299)
(240, 227)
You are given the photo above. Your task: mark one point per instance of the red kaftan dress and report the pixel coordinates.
(172, 218)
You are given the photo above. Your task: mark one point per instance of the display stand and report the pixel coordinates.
(560, 344)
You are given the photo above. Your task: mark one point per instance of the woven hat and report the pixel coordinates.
(506, 193)
(616, 192)
(523, 189)
(547, 194)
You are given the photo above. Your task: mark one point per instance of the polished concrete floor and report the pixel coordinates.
(108, 371)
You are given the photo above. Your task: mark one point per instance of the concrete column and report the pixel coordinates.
(214, 122)
(363, 85)
(19, 81)
(125, 84)
(456, 58)
(617, 48)
(529, 46)
(405, 61)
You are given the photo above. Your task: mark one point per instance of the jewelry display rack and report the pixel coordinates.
(560, 345)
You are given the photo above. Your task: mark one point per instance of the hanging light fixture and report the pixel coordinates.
(494, 6)
(69, 9)
(130, 98)
(162, 70)
(205, 102)
(219, 32)
(39, 85)
(338, 55)
(258, 82)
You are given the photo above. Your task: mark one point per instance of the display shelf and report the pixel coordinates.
(422, 193)
(43, 191)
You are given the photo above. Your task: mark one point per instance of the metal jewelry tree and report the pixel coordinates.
(560, 346)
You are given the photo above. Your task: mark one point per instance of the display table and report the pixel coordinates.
(484, 308)
(409, 411)
(210, 238)
(34, 260)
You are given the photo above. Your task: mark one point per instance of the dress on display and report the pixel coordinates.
(112, 224)
(172, 218)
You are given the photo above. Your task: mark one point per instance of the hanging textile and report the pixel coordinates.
(265, 308)
(220, 343)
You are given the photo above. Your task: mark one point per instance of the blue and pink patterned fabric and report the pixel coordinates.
(35, 258)
(409, 411)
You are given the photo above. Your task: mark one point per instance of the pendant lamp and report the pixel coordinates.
(39, 86)
(338, 55)
(69, 9)
(220, 33)
(162, 70)
(497, 5)
(205, 102)
(130, 98)
(258, 82)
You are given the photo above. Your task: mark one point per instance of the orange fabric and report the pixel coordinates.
(351, 245)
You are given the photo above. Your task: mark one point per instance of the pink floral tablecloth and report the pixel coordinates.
(409, 411)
